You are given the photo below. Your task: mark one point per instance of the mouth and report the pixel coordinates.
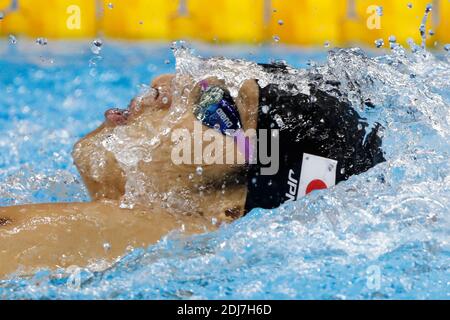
(117, 116)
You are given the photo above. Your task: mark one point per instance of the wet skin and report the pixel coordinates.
(66, 234)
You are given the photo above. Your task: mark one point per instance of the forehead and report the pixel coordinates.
(164, 79)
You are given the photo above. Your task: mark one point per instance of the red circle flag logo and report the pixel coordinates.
(316, 185)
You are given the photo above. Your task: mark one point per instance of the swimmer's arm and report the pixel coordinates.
(61, 235)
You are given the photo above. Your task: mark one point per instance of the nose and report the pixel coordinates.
(117, 116)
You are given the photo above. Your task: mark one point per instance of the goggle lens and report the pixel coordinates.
(216, 109)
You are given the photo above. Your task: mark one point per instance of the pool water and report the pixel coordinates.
(382, 235)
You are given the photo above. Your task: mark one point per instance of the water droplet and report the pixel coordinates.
(110, 5)
(165, 100)
(343, 171)
(166, 131)
(279, 121)
(167, 61)
(410, 5)
(97, 42)
(429, 8)
(12, 39)
(107, 246)
(311, 63)
(380, 11)
(380, 133)
(276, 38)
(265, 109)
(392, 39)
(447, 47)
(199, 171)
(379, 43)
(96, 46)
(326, 44)
(280, 22)
(431, 33)
(42, 41)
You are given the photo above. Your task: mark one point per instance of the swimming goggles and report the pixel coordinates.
(216, 109)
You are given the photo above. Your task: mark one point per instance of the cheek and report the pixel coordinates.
(164, 100)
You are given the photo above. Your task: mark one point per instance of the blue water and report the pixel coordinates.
(381, 235)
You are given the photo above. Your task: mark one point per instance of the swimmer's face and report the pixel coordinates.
(131, 152)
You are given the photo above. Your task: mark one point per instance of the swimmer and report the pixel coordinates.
(320, 141)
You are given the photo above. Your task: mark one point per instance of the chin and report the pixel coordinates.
(98, 167)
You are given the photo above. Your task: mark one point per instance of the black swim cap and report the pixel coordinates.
(322, 141)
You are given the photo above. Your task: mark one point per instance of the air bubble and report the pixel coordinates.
(265, 109)
(276, 38)
(110, 5)
(165, 100)
(199, 171)
(280, 22)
